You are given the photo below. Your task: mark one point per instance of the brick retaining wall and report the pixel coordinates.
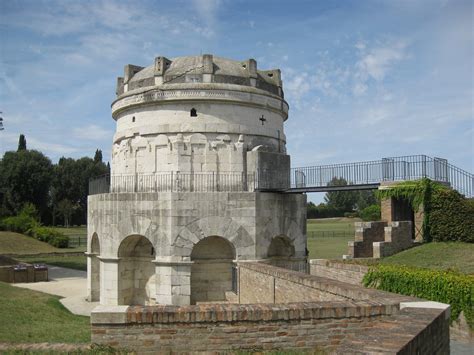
(340, 271)
(355, 320)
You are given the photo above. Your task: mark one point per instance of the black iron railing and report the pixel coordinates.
(374, 172)
(191, 182)
(359, 175)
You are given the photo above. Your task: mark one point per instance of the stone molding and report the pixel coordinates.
(156, 96)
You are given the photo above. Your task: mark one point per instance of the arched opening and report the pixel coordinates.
(281, 247)
(193, 112)
(94, 269)
(211, 272)
(136, 274)
(281, 253)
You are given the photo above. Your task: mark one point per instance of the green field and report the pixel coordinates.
(327, 238)
(31, 317)
(82, 230)
(15, 243)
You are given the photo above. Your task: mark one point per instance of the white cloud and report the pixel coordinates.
(378, 61)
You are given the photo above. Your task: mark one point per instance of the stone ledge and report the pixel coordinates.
(211, 313)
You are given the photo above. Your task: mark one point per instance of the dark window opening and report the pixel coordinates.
(270, 75)
(193, 112)
(133, 119)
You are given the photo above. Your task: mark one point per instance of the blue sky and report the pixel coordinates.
(364, 79)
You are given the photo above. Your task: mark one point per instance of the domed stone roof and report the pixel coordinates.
(200, 69)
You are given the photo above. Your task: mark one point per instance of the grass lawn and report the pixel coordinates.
(71, 262)
(440, 256)
(332, 224)
(82, 230)
(15, 243)
(30, 317)
(329, 247)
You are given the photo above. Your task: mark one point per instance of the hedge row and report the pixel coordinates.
(451, 217)
(449, 286)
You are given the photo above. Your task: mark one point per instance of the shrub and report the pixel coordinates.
(24, 222)
(370, 213)
(451, 217)
(51, 236)
(449, 286)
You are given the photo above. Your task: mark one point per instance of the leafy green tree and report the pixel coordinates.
(342, 200)
(25, 176)
(365, 199)
(71, 182)
(66, 208)
(21, 142)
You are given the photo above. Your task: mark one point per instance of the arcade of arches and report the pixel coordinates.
(212, 259)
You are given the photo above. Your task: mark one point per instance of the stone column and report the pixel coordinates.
(173, 281)
(109, 285)
(93, 277)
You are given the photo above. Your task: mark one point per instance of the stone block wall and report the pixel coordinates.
(201, 290)
(366, 233)
(173, 225)
(380, 239)
(398, 237)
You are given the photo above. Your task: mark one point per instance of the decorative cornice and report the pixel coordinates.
(155, 96)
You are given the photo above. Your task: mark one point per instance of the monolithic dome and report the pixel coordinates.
(198, 165)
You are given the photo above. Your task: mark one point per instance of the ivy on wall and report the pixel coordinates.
(447, 215)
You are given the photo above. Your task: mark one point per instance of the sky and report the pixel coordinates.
(364, 79)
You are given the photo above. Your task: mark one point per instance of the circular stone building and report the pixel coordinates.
(198, 171)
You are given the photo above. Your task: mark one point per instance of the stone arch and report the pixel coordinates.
(129, 224)
(288, 228)
(281, 247)
(211, 271)
(94, 266)
(136, 271)
(225, 227)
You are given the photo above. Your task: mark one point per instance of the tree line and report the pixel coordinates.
(58, 191)
(361, 203)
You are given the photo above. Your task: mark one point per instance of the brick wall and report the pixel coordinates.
(344, 272)
(353, 320)
(343, 327)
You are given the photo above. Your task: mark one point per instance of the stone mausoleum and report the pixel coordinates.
(198, 165)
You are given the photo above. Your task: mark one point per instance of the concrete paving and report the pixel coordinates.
(69, 284)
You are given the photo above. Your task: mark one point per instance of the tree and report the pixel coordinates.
(66, 208)
(98, 156)
(25, 176)
(71, 182)
(341, 200)
(21, 143)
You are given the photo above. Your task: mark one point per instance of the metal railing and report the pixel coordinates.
(191, 182)
(374, 172)
(358, 176)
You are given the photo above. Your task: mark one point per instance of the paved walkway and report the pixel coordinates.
(68, 283)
